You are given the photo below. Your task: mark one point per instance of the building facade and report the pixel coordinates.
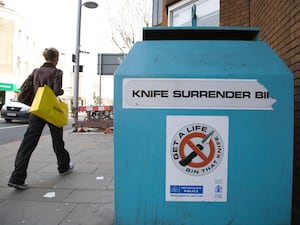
(19, 52)
(279, 23)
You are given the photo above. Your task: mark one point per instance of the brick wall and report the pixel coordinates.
(279, 21)
(234, 13)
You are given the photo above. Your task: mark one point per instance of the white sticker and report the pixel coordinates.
(246, 94)
(196, 158)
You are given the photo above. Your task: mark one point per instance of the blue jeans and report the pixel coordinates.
(29, 143)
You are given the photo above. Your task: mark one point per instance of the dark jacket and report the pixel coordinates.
(49, 75)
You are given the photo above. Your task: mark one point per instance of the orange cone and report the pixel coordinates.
(108, 130)
(81, 129)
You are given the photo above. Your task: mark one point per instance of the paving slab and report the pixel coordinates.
(90, 214)
(91, 196)
(35, 194)
(14, 212)
(86, 196)
(84, 181)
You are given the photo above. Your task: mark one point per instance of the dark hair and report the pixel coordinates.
(50, 54)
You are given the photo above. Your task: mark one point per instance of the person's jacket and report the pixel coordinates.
(49, 75)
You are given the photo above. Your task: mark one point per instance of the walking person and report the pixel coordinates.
(47, 74)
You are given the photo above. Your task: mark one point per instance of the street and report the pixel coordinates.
(14, 131)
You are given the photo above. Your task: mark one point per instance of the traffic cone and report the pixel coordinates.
(108, 130)
(81, 129)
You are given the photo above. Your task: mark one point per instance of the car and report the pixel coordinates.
(15, 110)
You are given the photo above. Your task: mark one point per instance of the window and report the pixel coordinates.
(19, 36)
(26, 68)
(157, 12)
(207, 12)
(27, 42)
(18, 67)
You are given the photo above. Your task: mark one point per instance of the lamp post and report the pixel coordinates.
(90, 5)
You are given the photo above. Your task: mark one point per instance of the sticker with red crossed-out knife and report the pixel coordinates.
(197, 149)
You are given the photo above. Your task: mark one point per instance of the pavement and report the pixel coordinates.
(85, 196)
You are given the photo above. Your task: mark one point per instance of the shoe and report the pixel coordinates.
(71, 167)
(18, 186)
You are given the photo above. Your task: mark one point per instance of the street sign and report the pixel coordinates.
(80, 68)
(108, 63)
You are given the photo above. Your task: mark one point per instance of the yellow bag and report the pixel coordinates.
(49, 107)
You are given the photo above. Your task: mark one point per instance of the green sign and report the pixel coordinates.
(8, 87)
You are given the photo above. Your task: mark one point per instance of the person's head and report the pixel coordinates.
(51, 55)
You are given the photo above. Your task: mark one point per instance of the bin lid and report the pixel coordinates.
(201, 33)
(202, 52)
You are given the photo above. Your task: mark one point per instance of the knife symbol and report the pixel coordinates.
(193, 154)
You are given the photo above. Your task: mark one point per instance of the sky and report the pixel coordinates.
(55, 22)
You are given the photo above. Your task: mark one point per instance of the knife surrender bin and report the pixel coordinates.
(203, 130)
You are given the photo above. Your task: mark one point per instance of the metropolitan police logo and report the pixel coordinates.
(197, 149)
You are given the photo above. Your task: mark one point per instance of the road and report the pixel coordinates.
(14, 131)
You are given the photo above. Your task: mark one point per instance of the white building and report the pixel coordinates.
(19, 52)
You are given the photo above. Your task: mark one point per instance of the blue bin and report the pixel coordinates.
(203, 130)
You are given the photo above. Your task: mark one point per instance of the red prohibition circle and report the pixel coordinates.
(187, 140)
